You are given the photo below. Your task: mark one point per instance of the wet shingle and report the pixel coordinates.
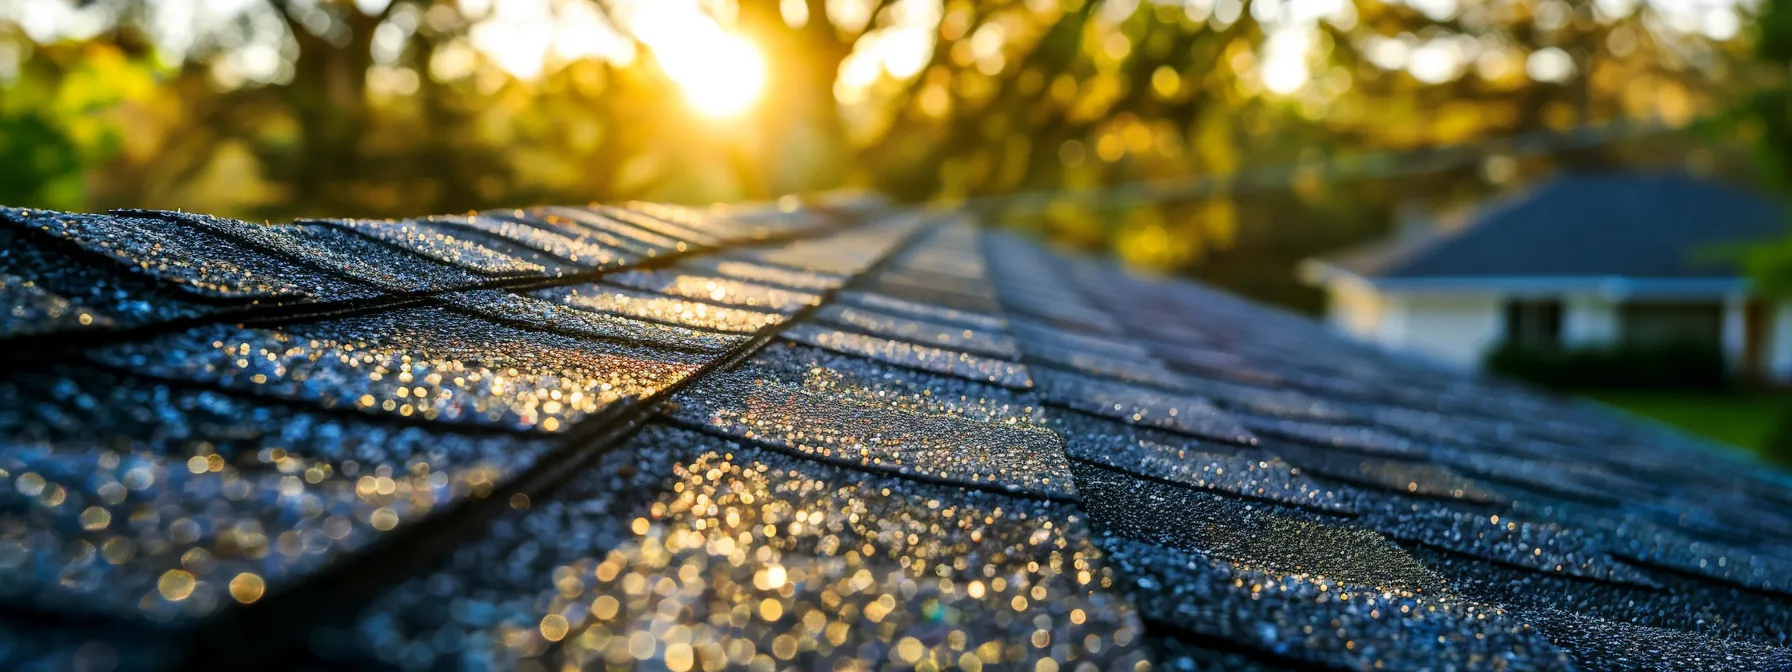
(590, 232)
(171, 502)
(546, 315)
(716, 289)
(584, 252)
(915, 310)
(190, 257)
(1314, 621)
(31, 309)
(430, 363)
(718, 555)
(448, 245)
(886, 435)
(776, 437)
(692, 235)
(903, 353)
(107, 290)
(330, 248)
(1138, 405)
(1207, 465)
(986, 342)
(613, 300)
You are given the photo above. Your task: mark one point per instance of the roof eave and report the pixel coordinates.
(1610, 286)
(1321, 272)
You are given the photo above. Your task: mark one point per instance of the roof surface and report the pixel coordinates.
(1583, 226)
(840, 437)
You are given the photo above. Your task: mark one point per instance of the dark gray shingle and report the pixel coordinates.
(848, 438)
(1579, 226)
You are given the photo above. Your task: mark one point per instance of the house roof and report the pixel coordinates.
(1660, 227)
(843, 435)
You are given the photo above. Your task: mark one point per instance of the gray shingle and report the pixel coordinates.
(1582, 226)
(762, 439)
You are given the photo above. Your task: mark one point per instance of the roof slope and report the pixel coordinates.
(1579, 226)
(836, 437)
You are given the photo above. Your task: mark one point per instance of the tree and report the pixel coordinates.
(1766, 117)
(394, 107)
(55, 121)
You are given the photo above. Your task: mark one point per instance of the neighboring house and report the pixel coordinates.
(1577, 261)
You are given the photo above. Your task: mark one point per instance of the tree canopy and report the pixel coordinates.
(281, 108)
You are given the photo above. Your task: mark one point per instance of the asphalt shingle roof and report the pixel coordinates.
(1579, 226)
(834, 437)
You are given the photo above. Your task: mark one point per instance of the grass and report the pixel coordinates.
(1739, 418)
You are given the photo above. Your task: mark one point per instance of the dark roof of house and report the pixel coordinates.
(1578, 226)
(837, 436)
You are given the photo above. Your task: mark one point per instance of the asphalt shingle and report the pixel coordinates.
(855, 437)
(1584, 226)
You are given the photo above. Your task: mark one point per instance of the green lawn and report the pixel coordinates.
(1741, 419)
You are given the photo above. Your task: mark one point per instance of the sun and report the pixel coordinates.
(721, 78)
(721, 74)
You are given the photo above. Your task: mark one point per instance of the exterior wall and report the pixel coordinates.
(1779, 344)
(1735, 329)
(1460, 327)
(1589, 320)
(1355, 309)
(1457, 329)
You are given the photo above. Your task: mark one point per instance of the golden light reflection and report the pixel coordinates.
(760, 565)
(721, 74)
(247, 587)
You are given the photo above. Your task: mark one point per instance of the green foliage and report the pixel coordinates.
(1741, 418)
(1770, 266)
(398, 107)
(1767, 118)
(56, 122)
(1673, 366)
(39, 164)
(1777, 447)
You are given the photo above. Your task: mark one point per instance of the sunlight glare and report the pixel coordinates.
(1284, 68)
(721, 74)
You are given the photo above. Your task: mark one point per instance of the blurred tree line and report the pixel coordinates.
(271, 109)
(1766, 118)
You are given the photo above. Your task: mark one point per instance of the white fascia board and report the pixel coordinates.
(1320, 274)
(1612, 287)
